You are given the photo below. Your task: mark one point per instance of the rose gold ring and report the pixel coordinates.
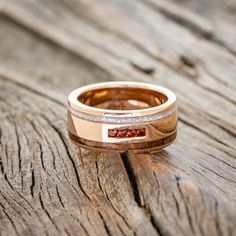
(122, 116)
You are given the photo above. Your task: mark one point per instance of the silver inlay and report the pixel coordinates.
(122, 119)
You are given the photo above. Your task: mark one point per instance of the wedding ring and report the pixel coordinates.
(122, 116)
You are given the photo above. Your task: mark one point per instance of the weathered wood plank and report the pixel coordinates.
(219, 14)
(173, 197)
(206, 56)
(45, 178)
(187, 85)
(50, 186)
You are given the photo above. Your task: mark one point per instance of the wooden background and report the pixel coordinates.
(48, 186)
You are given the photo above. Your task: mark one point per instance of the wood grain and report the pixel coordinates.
(51, 187)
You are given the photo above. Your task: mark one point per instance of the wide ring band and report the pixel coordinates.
(122, 116)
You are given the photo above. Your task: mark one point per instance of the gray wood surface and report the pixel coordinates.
(48, 186)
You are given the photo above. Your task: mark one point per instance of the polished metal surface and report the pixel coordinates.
(126, 108)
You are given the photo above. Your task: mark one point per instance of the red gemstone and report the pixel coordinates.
(141, 132)
(126, 133)
(112, 133)
(131, 133)
(122, 133)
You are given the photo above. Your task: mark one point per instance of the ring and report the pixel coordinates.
(122, 116)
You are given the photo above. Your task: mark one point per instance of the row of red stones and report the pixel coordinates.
(126, 133)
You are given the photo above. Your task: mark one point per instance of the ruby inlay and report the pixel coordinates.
(126, 133)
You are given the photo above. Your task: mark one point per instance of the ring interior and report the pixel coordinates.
(122, 98)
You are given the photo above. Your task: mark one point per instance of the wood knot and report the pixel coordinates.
(188, 66)
(187, 61)
(149, 70)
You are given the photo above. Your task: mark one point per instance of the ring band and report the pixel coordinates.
(122, 116)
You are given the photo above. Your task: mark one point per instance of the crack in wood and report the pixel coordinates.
(117, 210)
(177, 178)
(41, 155)
(217, 221)
(47, 212)
(59, 197)
(176, 204)
(230, 132)
(206, 133)
(217, 93)
(29, 88)
(220, 175)
(158, 227)
(34, 128)
(32, 183)
(22, 216)
(218, 158)
(60, 135)
(105, 224)
(132, 179)
(133, 182)
(98, 179)
(10, 219)
(18, 145)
